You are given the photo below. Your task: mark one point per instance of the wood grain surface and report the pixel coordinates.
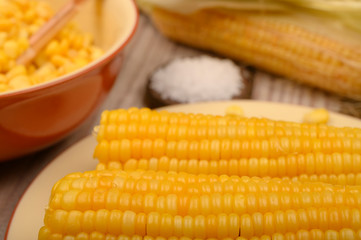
(147, 51)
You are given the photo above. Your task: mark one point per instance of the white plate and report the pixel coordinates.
(29, 213)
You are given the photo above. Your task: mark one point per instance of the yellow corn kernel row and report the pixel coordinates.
(314, 234)
(185, 183)
(219, 168)
(341, 179)
(288, 166)
(174, 193)
(216, 149)
(200, 204)
(146, 123)
(280, 43)
(69, 50)
(220, 226)
(180, 132)
(146, 115)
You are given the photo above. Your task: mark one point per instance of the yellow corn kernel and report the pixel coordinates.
(44, 11)
(52, 48)
(39, 22)
(83, 53)
(45, 69)
(11, 48)
(3, 79)
(3, 37)
(64, 46)
(23, 43)
(69, 67)
(16, 71)
(19, 82)
(32, 29)
(31, 69)
(58, 60)
(76, 41)
(234, 111)
(4, 87)
(80, 62)
(320, 116)
(8, 9)
(29, 15)
(5, 24)
(51, 76)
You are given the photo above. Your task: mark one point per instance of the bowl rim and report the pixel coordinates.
(68, 77)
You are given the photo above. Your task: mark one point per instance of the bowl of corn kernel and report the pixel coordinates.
(45, 100)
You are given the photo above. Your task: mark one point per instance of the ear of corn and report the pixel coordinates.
(146, 203)
(283, 44)
(203, 144)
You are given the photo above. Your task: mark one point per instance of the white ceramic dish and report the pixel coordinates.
(29, 213)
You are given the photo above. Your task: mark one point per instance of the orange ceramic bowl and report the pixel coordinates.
(36, 117)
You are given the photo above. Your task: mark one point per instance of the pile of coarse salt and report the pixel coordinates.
(198, 79)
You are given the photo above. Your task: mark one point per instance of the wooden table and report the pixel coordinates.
(147, 50)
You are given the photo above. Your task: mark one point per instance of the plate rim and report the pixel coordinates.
(255, 101)
(36, 177)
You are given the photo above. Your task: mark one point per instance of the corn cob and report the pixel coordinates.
(287, 47)
(147, 203)
(125, 149)
(315, 234)
(196, 143)
(146, 124)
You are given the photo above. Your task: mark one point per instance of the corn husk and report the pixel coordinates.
(346, 12)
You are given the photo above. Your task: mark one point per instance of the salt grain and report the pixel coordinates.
(198, 79)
